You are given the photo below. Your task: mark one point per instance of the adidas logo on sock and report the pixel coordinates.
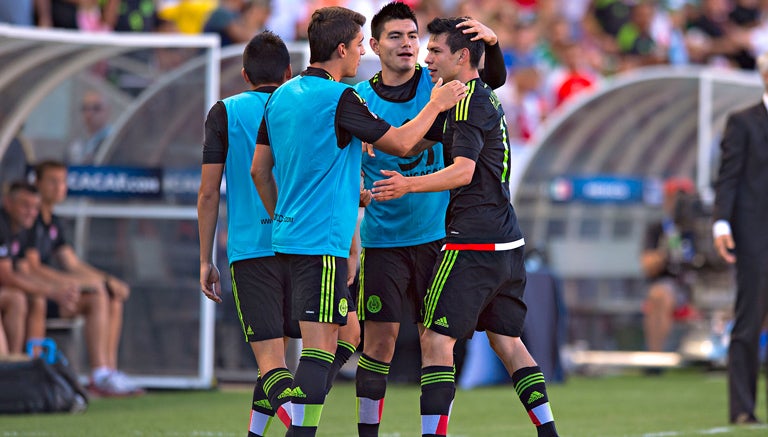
(263, 403)
(442, 321)
(285, 394)
(297, 393)
(535, 396)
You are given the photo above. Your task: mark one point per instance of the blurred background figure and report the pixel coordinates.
(668, 261)
(95, 113)
(237, 21)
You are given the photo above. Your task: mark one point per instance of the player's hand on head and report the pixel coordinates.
(395, 186)
(446, 96)
(483, 32)
(209, 282)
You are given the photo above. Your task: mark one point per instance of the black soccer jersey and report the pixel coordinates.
(12, 245)
(475, 128)
(47, 238)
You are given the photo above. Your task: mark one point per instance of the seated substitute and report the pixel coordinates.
(668, 260)
(52, 257)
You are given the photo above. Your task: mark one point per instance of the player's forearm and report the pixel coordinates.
(267, 189)
(401, 141)
(453, 176)
(207, 217)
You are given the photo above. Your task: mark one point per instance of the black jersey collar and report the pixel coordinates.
(317, 72)
(399, 93)
(269, 89)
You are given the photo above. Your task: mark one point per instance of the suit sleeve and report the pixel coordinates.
(732, 146)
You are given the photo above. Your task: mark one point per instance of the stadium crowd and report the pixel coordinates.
(552, 49)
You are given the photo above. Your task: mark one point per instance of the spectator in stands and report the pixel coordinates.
(635, 40)
(571, 77)
(20, 207)
(131, 15)
(95, 112)
(709, 35)
(106, 292)
(237, 21)
(667, 261)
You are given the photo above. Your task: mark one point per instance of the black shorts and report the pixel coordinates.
(319, 287)
(394, 281)
(261, 288)
(477, 290)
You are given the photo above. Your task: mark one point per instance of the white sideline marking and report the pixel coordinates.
(710, 431)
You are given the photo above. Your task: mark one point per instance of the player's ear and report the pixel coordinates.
(341, 49)
(245, 76)
(288, 73)
(374, 45)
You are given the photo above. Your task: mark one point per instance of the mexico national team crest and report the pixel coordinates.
(373, 305)
(343, 307)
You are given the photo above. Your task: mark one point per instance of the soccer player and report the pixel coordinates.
(400, 238)
(311, 134)
(260, 284)
(479, 279)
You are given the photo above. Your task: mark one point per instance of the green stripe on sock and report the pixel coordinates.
(312, 413)
(347, 345)
(433, 378)
(276, 377)
(528, 381)
(317, 353)
(367, 364)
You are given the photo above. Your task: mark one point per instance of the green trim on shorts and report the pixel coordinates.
(237, 301)
(327, 289)
(360, 291)
(434, 291)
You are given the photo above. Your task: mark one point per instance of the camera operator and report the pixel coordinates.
(670, 262)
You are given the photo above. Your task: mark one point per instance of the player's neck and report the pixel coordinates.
(333, 67)
(46, 212)
(396, 78)
(466, 75)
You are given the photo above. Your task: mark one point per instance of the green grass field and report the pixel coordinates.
(680, 403)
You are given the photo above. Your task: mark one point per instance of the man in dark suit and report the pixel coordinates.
(740, 214)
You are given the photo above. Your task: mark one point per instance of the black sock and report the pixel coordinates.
(261, 411)
(308, 393)
(344, 350)
(438, 388)
(277, 386)
(530, 387)
(370, 387)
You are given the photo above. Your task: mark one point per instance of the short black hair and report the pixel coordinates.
(43, 166)
(265, 58)
(21, 186)
(391, 11)
(330, 27)
(456, 39)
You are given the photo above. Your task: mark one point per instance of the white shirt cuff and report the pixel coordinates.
(721, 227)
